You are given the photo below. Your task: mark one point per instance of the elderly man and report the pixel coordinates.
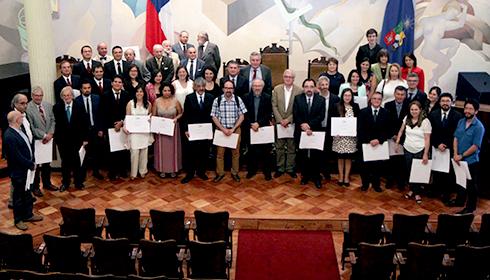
(131, 59)
(167, 51)
(240, 82)
(182, 45)
(159, 62)
(66, 79)
(102, 55)
(194, 65)
(117, 66)
(40, 114)
(208, 51)
(256, 70)
(85, 66)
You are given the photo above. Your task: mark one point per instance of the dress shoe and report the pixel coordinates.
(293, 174)
(98, 176)
(10, 205)
(364, 188)
(465, 211)
(80, 186)
(278, 174)
(21, 225)
(304, 181)
(203, 176)
(34, 218)
(346, 184)
(235, 177)
(318, 184)
(250, 175)
(268, 177)
(50, 187)
(186, 179)
(218, 178)
(63, 188)
(37, 192)
(377, 189)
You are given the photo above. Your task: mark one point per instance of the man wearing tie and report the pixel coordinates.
(102, 55)
(241, 83)
(413, 92)
(98, 82)
(66, 79)
(308, 113)
(256, 70)
(373, 121)
(208, 51)
(158, 62)
(20, 159)
(85, 66)
(194, 65)
(182, 45)
(117, 66)
(71, 133)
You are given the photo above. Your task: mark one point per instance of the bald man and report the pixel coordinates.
(158, 62)
(102, 53)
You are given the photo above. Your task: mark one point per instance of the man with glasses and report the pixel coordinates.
(413, 93)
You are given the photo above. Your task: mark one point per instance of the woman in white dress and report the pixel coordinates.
(388, 85)
(183, 85)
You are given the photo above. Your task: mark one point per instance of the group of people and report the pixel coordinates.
(178, 82)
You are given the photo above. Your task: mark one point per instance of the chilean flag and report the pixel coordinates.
(154, 27)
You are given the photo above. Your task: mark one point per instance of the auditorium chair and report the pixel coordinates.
(374, 261)
(63, 254)
(158, 258)
(17, 252)
(242, 63)
(361, 228)
(215, 226)
(316, 67)
(471, 263)
(81, 222)
(136, 277)
(169, 225)
(208, 260)
(277, 59)
(406, 229)
(125, 224)
(423, 262)
(483, 236)
(113, 256)
(452, 230)
(32, 275)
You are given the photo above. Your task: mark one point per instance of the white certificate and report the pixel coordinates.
(137, 124)
(378, 152)
(162, 126)
(393, 148)
(462, 172)
(30, 178)
(344, 126)
(200, 131)
(440, 160)
(220, 139)
(420, 173)
(117, 140)
(264, 135)
(81, 153)
(362, 101)
(314, 141)
(285, 132)
(43, 152)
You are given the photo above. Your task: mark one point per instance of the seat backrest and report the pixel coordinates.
(374, 261)
(408, 229)
(79, 222)
(471, 262)
(124, 224)
(64, 254)
(212, 226)
(484, 234)
(424, 261)
(137, 277)
(453, 230)
(17, 252)
(207, 259)
(112, 256)
(316, 67)
(168, 225)
(277, 59)
(242, 63)
(159, 258)
(365, 228)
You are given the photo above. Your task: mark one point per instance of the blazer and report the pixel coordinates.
(264, 114)
(364, 51)
(376, 69)
(166, 66)
(266, 77)
(39, 127)
(440, 134)
(19, 157)
(198, 67)
(278, 103)
(211, 56)
(420, 96)
(112, 110)
(70, 132)
(241, 87)
(60, 83)
(395, 120)
(192, 110)
(96, 113)
(106, 84)
(145, 74)
(80, 69)
(110, 69)
(177, 48)
(368, 129)
(313, 118)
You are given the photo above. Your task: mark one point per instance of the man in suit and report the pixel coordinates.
(208, 52)
(102, 55)
(91, 103)
(369, 50)
(413, 93)
(308, 113)
(20, 159)
(197, 109)
(282, 107)
(159, 62)
(66, 79)
(397, 110)
(85, 66)
(117, 66)
(194, 65)
(182, 45)
(131, 59)
(256, 70)
(331, 101)
(240, 82)
(444, 121)
(40, 114)
(373, 121)
(259, 114)
(98, 82)
(71, 133)
(167, 51)
(113, 106)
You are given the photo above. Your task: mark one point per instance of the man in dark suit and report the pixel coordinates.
(98, 83)
(159, 62)
(444, 122)
(85, 66)
(197, 109)
(113, 106)
(66, 79)
(182, 45)
(413, 93)
(208, 51)
(91, 103)
(240, 82)
(373, 121)
(397, 110)
(194, 65)
(256, 70)
(369, 50)
(20, 159)
(117, 66)
(259, 114)
(71, 132)
(308, 113)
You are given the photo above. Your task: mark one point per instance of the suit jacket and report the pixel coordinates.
(420, 96)
(177, 48)
(313, 118)
(264, 114)
(211, 56)
(441, 134)
(192, 111)
(112, 110)
(145, 74)
(166, 66)
(96, 113)
(80, 69)
(110, 69)
(395, 120)
(19, 157)
(333, 100)
(368, 129)
(106, 84)
(376, 69)
(364, 51)
(266, 77)
(70, 132)
(60, 83)
(241, 87)
(278, 103)
(39, 127)
(198, 67)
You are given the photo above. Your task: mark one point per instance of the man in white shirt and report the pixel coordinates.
(102, 55)
(117, 66)
(85, 66)
(66, 79)
(194, 65)
(182, 45)
(208, 51)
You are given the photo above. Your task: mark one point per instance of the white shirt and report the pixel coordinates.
(89, 109)
(447, 114)
(194, 67)
(415, 137)
(375, 109)
(68, 78)
(27, 126)
(389, 89)
(116, 96)
(327, 104)
(88, 62)
(23, 135)
(115, 66)
(287, 97)
(257, 76)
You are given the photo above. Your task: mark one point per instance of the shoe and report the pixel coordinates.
(268, 177)
(34, 218)
(80, 186)
(408, 195)
(464, 211)
(113, 177)
(377, 189)
(250, 175)
(21, 225)
(131, 178)
(37, 192)
(63, 188)
(98, 176)
(235, 177)
(186, 179)
(418, 199)
(364, 188)
(203, 176)
(173, 175)
(162, 175)
(124, 174)
(50, 187)
(389, 185)
(293, 175)
(318, 184)
(304, 181)
(278, 174)
(10, 205)
(346, 184)
(218, 178)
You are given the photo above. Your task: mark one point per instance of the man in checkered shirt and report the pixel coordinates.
(228, 116)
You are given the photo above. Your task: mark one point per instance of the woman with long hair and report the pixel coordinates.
(432, 102)
(209, 75)
(367, 77)
(183, 85)
(133, 81)
(409, 65)
(153, 88)
(388, 85)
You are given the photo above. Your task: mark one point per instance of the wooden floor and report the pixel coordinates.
(254, 204)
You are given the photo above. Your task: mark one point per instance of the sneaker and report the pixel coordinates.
(21, 225)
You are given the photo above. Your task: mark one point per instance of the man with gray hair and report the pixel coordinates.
(130, 57)
(167, 51)
(160, 63)
(208, 51)
(182, 45)
(256, 70)
(413, 91)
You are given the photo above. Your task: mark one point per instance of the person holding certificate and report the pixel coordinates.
(345, 146)
(416, 128)
(138, 142)
(168, 157)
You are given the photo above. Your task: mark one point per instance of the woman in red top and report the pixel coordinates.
(409, 65)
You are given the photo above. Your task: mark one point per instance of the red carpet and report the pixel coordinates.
(278, 254)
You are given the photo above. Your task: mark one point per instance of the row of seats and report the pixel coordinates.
(33, 275)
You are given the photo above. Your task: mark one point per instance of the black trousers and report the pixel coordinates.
(43, 173)
(197, 157)
(444, 183)
(371, 173)
(118, 163)
(70, 163)
(472, 187)
(310, 160)
(22, 200)
(396, 171)
(95, 151)
(260, 153)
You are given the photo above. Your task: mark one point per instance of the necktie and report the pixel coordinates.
(23, 128)
(375, 114)
(255, 75)
(101, 89)
(68, 113)
(444, 119)
(103, 58)
(88, 67)
(89, 112)
(184, 48)
(410, 96)
(41, 112)
(398, 109)
(68, 82)
(201, 102)
(191, 70)
(233, 80)
(119, 70)
(159, 63)
(117, 97)
(309, 104)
